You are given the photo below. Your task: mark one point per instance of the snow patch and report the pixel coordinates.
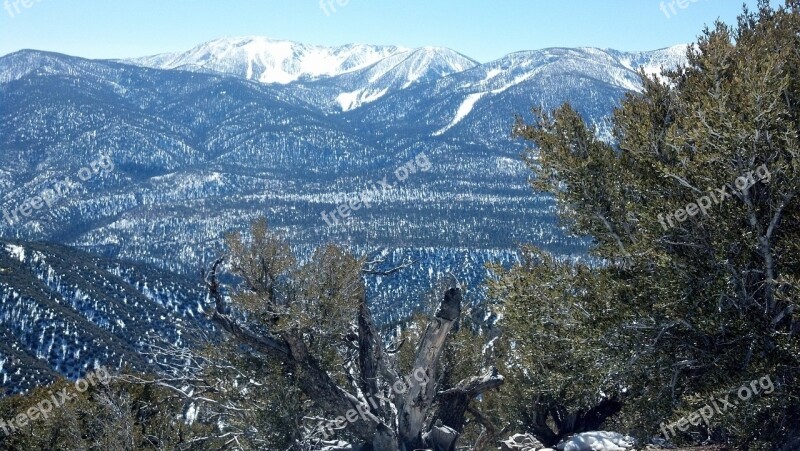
(15, 251)
(492, 73)
(463, 111)
(514, 82)
(351, 100)
(510, 166)
(597, 441)
(191, 414)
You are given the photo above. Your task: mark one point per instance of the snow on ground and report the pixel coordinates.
(492, 73)
(597, 441)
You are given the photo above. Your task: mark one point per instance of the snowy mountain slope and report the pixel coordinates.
(269, 60)
(652, 62)
(68, 311)
(478, 102)
(200, 154)
(361, 73)
(396, 73)
(392, 74)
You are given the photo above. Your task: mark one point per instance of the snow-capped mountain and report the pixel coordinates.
(398, 72)
(345, 78)
(478, 101)
(362, 73)
(270, 60)
(652, 62)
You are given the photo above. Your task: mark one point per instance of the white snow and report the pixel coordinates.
(519, 79)
(271, 60)
(215, 177)
(351, 100)
(625, 80)
(492, 73)
(654, 61)
(191, 414)
(466, 107)
(15, 251)
(463, 111)
(597, 441)
(510, 166)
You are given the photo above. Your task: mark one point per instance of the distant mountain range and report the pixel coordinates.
(204, 141)
(354, 75)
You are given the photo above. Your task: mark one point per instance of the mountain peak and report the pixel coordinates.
(268, 60)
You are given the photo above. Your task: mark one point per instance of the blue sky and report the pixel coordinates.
(482, 29)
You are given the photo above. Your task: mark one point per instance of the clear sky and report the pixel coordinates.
(482, 29)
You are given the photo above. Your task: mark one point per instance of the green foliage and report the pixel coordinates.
(701, 305)
(318, 299)
(560, 346)
(115, 417)
(260, 262)
(256, 399)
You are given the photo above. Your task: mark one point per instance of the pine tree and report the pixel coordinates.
(694, 211)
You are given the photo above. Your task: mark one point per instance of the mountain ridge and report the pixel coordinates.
(241, 55)
(360, 84)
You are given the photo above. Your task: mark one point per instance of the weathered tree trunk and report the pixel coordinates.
(441, 438)
(414, 395)
(453, 403)
(414, 406)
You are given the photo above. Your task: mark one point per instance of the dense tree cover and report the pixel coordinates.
(114, 416)
(695, 211)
